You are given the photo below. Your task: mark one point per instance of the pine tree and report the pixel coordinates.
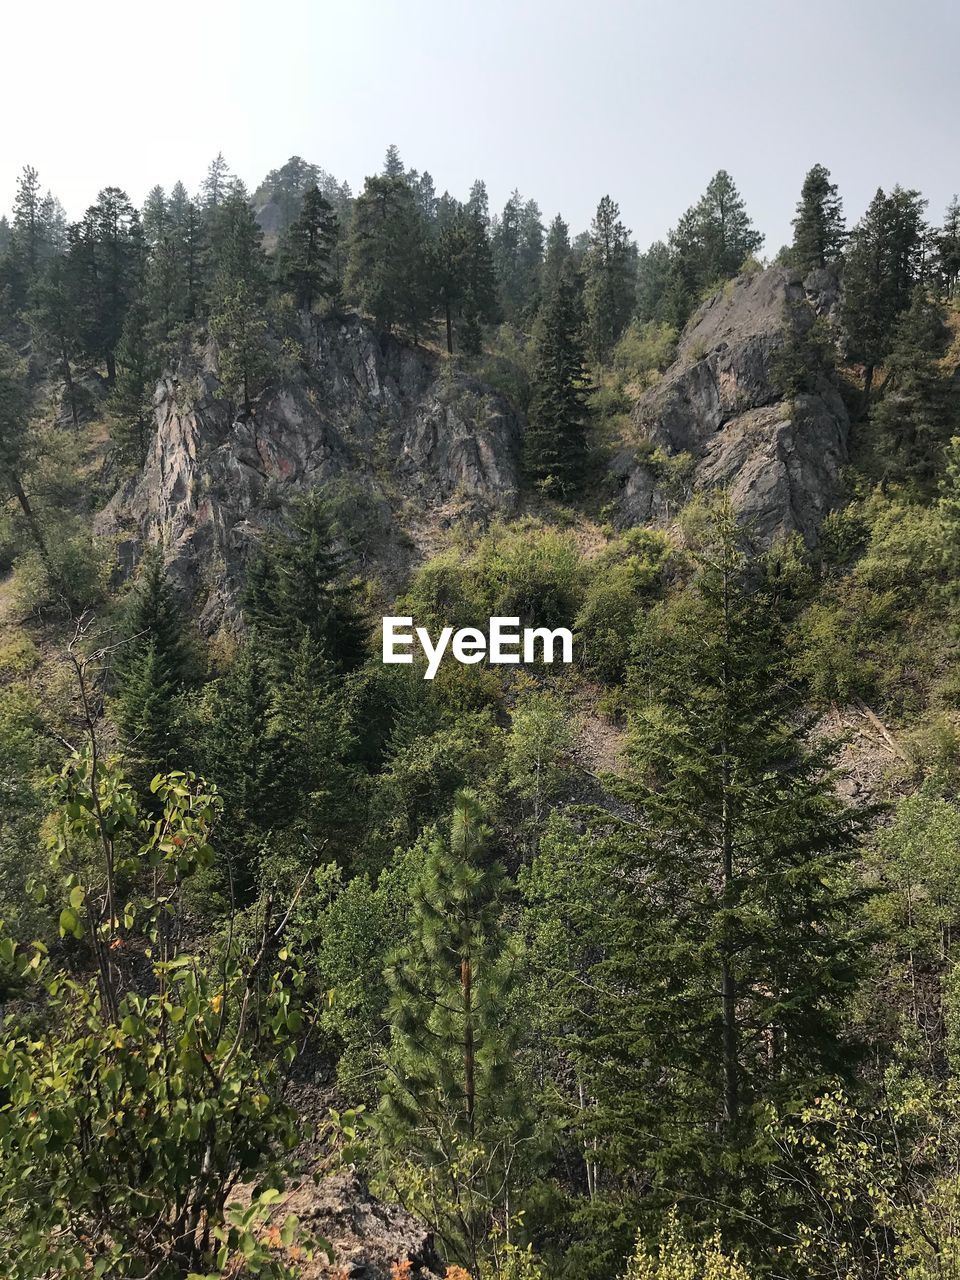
(517, 243)
(245, 358)
(726, 234)
(106, 260)
(150, 671)
(296, 588)
(715, 983)
(818, 230)
(216, 184)
(56, 320)
(882, 265)
(18, 449)
(155, 215)
(132, 399)
(556, 257)
(236, 257)
(306, 250)
(388, 265)
(913, 418)
(465, 276)
(315, 785)
(449, 1103)
(556, 441)
(653, 283)
(392, 164)
(948, 249)
(610, 286)
(235, 750)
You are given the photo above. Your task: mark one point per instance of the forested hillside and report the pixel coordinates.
(645, 967)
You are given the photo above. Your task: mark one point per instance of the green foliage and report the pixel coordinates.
(388, 263)
(125, 1125)
(818, 230)
(674, 1257)
(246, 360)
(555, 445)
(622, 578)
(448, 1110)
(523, 570)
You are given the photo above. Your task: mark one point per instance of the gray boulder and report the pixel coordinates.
(719, 417)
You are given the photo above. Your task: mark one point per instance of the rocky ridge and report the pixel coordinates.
(403, 445)
(720, 409)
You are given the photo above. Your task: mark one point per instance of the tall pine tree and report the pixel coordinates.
(556, 441)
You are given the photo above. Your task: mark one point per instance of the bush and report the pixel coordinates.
(674, 1257)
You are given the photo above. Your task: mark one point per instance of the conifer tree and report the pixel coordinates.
(517, 242)
(556, 442)
(914, 418)
(106, 252)
(388, 265)
(155, 215)
(449, 1101)
(236, 258)
(246, 363)
(18, 447)
(150, 671)
(818, 229)
(464, 273)
(710, 975)
(56, 320)
(297, 588)
(392, 164)
(948, 249)
(306, 250)
(610, 287)
(131, 402)
(216, 184)
(726, 234)
(556, 257)
(882, 265)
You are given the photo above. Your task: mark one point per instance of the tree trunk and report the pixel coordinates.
(469, 1082)
(728, 983)
(449, 321)
(32, 524)
(867, 386)
(111, 368)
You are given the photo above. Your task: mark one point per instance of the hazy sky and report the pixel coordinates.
(565, 100)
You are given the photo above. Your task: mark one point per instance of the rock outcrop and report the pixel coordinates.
(410, 449)
(370, 1240)
(719, 416)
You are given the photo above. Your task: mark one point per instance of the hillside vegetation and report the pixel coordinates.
(642, 968)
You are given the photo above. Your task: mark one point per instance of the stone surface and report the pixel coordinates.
(409, 447)
(719, 403)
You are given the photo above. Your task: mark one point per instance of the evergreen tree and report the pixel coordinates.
(216, 184)
(448, 1104)
(150, 671)
(304, 259)
(236, 255)
(556, 257)
(106, 259)
(556, 440)
(297, 588)
(517, 243)
(948, 249)
(235, 749)
(708, 977)
(392, 164)
(818, 229)
(610, 287)
(653, 283)
(883, 263)
(726, 234)
(478, 201)
(913, 417)
(137, 372)
(56, 321)
(464, 273)
(155, 215)
(18, 448)
(245, 357)
(388, 269)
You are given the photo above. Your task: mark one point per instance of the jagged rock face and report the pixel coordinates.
(720, 403)
(405, 447)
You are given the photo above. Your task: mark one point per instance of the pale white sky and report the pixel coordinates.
(565, 100)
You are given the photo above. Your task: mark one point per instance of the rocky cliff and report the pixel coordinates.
(405, 446)
(721, 410)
